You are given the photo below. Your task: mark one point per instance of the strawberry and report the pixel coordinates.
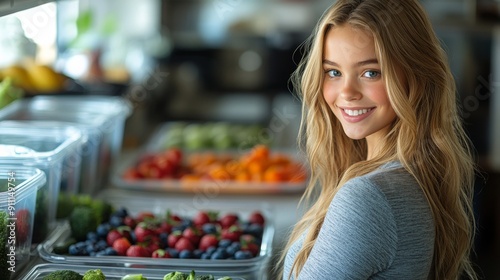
(130, 222)
(160, 253)
(145, 215)
(228, 220)
(173, 238)
(137, 251)
(121, 246)
(251, 247)
(123, 231)
(207, 241)
(256, 217)
(232, 233)
(184, 244)
(204, 217)
(23, 225)
(164, 227)
(192, 234)
(152, 245)
(144, 231)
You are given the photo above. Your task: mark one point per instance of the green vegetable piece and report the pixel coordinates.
(179, 276)
(82, 220)
(94, 274)
(63, 275)
(191, 276)
(134, 277)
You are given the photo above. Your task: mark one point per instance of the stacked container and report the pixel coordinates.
(100, 118)
(18, 193)
(54, 151)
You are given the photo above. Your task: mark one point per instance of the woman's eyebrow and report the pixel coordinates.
(360, 63)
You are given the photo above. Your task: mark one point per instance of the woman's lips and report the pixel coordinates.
(354, 115)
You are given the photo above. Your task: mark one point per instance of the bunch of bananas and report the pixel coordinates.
(34, 78)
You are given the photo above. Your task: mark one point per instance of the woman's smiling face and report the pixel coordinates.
(353, 86)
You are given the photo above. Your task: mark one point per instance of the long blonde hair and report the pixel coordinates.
(427, 136)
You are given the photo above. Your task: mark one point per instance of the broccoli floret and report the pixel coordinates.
(175, 276)
(63, 275)
(204, 277)
(102, 210)
(64, 206)
(82, 220)
(94, 274)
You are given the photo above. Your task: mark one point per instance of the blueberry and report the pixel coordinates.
(211, 250)
(109, 251)
(242, 255)
(231, 250)
(173, 252)
(90, 248)
(73, 250)
(197, 253)
(185, 254)
(187, 223)
(81, 245)
(92, 254)
(205, 256)
(101, 245)
(163, 237)
(218, 255)
(100, 253)
(122, 212)
(209, 228)
(92, 236)
(224, 243)
(116, 221)
(103, 229)
(255, 230)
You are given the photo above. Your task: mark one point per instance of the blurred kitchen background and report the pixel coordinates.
(209, 60)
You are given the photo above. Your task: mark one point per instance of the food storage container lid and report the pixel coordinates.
(25, 180)
(94, 104)
(49, 144)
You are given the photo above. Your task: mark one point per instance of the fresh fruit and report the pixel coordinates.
(121, 246)
(137, 251)
(184, 244)
(160, 253)
(23, 225)
(228, 220)
(256, 217)
(171, 236)
(207, 241)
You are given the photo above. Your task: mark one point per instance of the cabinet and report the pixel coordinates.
(12, 6)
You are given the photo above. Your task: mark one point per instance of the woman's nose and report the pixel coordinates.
(350, 91)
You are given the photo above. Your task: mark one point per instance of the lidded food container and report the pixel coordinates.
(18, 192)
(100, 118)
(53, 151)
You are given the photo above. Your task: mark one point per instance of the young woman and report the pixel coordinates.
(386, 150)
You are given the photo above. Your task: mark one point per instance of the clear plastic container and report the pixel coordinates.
(50, 150)
(101, 119)
(256, 266)
(116, 273)
(18, 193)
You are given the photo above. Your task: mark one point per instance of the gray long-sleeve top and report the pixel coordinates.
(378, 226)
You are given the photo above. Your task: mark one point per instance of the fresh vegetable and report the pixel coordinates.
(62, 275)
(134, 277)
(94, 274)
(82, 220)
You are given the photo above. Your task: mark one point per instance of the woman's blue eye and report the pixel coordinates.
(371, 74)
(333, 73)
